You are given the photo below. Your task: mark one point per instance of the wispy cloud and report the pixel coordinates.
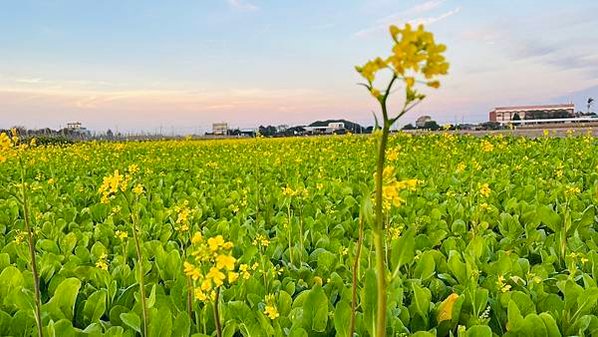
(242, 5)
(413, 15)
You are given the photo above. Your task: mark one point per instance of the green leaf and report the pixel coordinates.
(95, 306)
(552, 328)
(549, 217)
(457, 267)
(421, 300)
(515, 320)
(62, 304)
(182, 325)
(403, 250)
(524, 303)
(132, 320)
(315, 310)
(342, 317)
(160, 323)
(479, 331)
(425, 266)
(152, 298)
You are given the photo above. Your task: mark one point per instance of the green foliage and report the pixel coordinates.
(499, 256)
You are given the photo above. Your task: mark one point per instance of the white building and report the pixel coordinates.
(532, 112)
(325, 128)
(76, 127)
(220, 128)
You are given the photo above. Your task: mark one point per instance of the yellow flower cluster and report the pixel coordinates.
(487, 146)
(261, 241)
(133, 168)
(502, 286)
(392, 188)
(112, 184)
(270, 310)
(572, 190)
(244, 271)
(6, 146)
(414, 52)
(392, 155)
(102, 262)
(121, 235)
(299, 192)
(138, 189)
(183, 212)
(20, 237)
(485, 190)
(213, 265)
(581, 257)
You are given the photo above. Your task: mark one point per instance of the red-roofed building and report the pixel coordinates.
(506, 114)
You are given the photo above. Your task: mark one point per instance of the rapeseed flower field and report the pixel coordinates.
(484, 236)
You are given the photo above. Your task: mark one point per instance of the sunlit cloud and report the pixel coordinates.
(412, 15)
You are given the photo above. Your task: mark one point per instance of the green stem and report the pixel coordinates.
(31, 242)
(355, 277)
(190, 298)
(290, 233)
(379, 232)
(141, 277)
(217, 314)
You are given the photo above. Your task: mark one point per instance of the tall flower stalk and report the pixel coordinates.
(415, 59)
(111, 186)
(10, 147)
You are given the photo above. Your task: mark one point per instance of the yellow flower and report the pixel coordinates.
(392, 155)
(133, 168)
(102, 262)
(200, 295)
(232, 276)
(206, 284)
(196, 238)
(572, 190)
(225, 261)
(271, 312)
(487, 146)
(502, 286)
(485, 190)
(191, 270)
(244, 269)
(138, 190)
(121, 235)
(215, 243)
(216, 276)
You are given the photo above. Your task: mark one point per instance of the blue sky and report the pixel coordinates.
(139, 65)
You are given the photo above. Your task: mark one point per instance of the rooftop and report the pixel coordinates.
(537, 107)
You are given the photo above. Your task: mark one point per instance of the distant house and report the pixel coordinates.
(421, 121)
(220, 129)
(531, 112)
(76, 128)
(333, 126)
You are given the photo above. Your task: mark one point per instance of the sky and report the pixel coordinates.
(178, 66)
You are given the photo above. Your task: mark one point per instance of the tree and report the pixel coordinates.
(431, 125)
(409, 127)
(516, 117)
(590, 103)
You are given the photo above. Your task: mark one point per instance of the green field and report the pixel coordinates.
(487, 236)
